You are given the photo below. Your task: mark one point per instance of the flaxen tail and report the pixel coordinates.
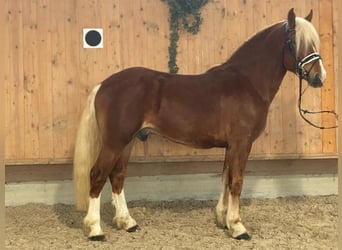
(87, 148)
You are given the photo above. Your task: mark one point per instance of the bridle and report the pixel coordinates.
(304, 74)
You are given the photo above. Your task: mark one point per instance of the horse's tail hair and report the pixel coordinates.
(87, 149)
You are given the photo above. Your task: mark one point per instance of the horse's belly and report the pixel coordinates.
(194, 138)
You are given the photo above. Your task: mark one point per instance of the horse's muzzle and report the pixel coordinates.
(315, 82)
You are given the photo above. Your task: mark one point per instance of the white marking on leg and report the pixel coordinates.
(222, 205)
(122, 219)
(233, 217)
(92, 220)
(221, 211)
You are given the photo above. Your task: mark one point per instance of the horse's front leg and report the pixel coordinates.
(122, 218)
(222, 205)
(237, 158)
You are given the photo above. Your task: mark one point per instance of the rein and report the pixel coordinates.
(303, 112)
(303, 74)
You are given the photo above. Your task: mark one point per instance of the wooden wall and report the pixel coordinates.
(48, 75)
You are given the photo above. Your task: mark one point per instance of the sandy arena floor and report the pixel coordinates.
(283, 223)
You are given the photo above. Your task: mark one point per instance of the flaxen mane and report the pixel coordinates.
(306, 35)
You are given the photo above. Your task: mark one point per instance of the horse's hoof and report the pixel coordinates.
(244, 236)
(97, 238)
(133, 229)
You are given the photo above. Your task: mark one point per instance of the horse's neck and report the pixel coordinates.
(260, 60)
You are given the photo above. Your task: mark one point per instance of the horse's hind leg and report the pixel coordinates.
(98, 176)
(92, 220)
(122, 218)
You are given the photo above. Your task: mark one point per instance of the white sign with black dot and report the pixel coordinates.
(92, 38)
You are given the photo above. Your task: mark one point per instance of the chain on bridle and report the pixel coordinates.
(304, 74)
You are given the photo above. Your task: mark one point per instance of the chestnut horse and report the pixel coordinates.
(225, 107)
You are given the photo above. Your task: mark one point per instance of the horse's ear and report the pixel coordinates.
(291, 19)
(309, 16)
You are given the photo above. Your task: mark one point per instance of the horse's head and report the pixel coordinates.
(302, 55)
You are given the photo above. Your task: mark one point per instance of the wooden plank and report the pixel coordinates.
(28, 173)
(14, 94)
(31, 79)
(220, 28)
(4, 78)
(109, 20)
(173, 158)
(100, 21)
(289, 114)
(45, 84)
(328, 91)
(141, 35)
(336, 27)
(315, 137)
(6, 16)
(72, 45)
(157, 27)
(248, 25)
(233, 25)
(129, 52)
(59, 100)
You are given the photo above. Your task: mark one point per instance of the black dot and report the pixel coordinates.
(93, 38)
